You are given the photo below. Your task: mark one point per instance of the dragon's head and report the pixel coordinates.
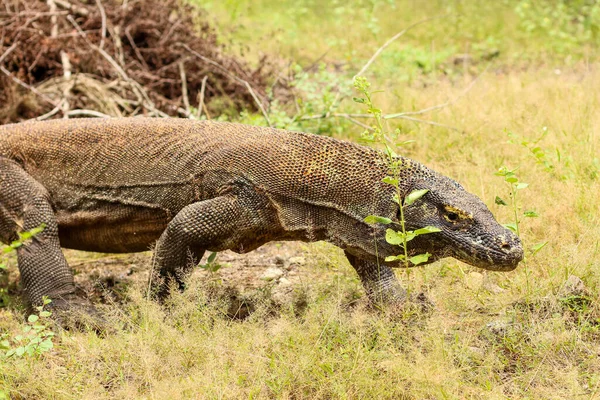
(467, 229)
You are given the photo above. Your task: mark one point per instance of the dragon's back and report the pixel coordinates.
(131, 155)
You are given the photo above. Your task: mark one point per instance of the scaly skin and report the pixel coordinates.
(119, 185)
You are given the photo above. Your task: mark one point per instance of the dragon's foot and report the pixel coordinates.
(74, 311)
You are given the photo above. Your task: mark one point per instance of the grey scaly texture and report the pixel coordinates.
(119, 185)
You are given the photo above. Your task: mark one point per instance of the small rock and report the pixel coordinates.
(284, 282)
(492, 288)
(272, 274)
(574, 286)
(279, 261)
(498, 327)
(295, 261)
(478, 351)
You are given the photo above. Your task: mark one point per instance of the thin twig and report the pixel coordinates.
(233, 77)
(17, 80)
(442, 105)
(53, 19)
(103, 15)
(8, 51)
(351, 117)
(26, 86)
(136, 50)
(88, 113)
(81, 11)
(184, 89)
(50, 113)
(424, 121)
(391, 40)
(356, 122)
(201, 95)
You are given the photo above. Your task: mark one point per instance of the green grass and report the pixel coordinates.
(490, 335)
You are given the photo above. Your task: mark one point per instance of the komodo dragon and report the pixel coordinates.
(119, 185)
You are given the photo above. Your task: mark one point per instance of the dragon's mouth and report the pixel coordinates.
(491, 258)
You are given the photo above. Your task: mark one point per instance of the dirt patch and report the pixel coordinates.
(277, 267)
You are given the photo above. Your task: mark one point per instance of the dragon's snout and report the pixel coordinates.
(506, 253)
(513, 256)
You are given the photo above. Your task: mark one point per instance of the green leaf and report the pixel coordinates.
(20, 351)
(393, 237)
(414, 196)
(46, 345)
(396, 199)
(521, 185)
(374, 219)
(511, 179)
(537, 247)
(25, 235)
(32, 318)
(500, 202)
(46, 300)
(531, 214)
(2, 266)
(211, 258)
(426, 230)
(410, 235)
(214, 267)
(512, 227)
(390, 180)
(38, 230)
(359, 100)
(45, 314)
(419, 259)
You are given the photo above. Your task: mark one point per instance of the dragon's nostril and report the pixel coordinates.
(506, 247)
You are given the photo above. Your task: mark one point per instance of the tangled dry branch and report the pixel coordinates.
(152, 57)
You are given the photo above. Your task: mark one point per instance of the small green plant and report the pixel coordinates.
(35, 339)
(515, 186)
(211, 264)
(23, 237)
(540, 155)
(378, 134)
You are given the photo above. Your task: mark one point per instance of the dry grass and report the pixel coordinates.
(539, 348)
(490, 335)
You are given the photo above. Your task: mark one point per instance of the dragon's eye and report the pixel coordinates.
(452, 217)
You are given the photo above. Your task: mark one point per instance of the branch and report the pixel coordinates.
(81, 11)
(137, 88)
(103, 15)
(184, 89)
(8, 51)
(391, 40)
(233, 77)
(26, 86)
(352, 118)
(442, 105)
(201, 102)
(87, 113)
